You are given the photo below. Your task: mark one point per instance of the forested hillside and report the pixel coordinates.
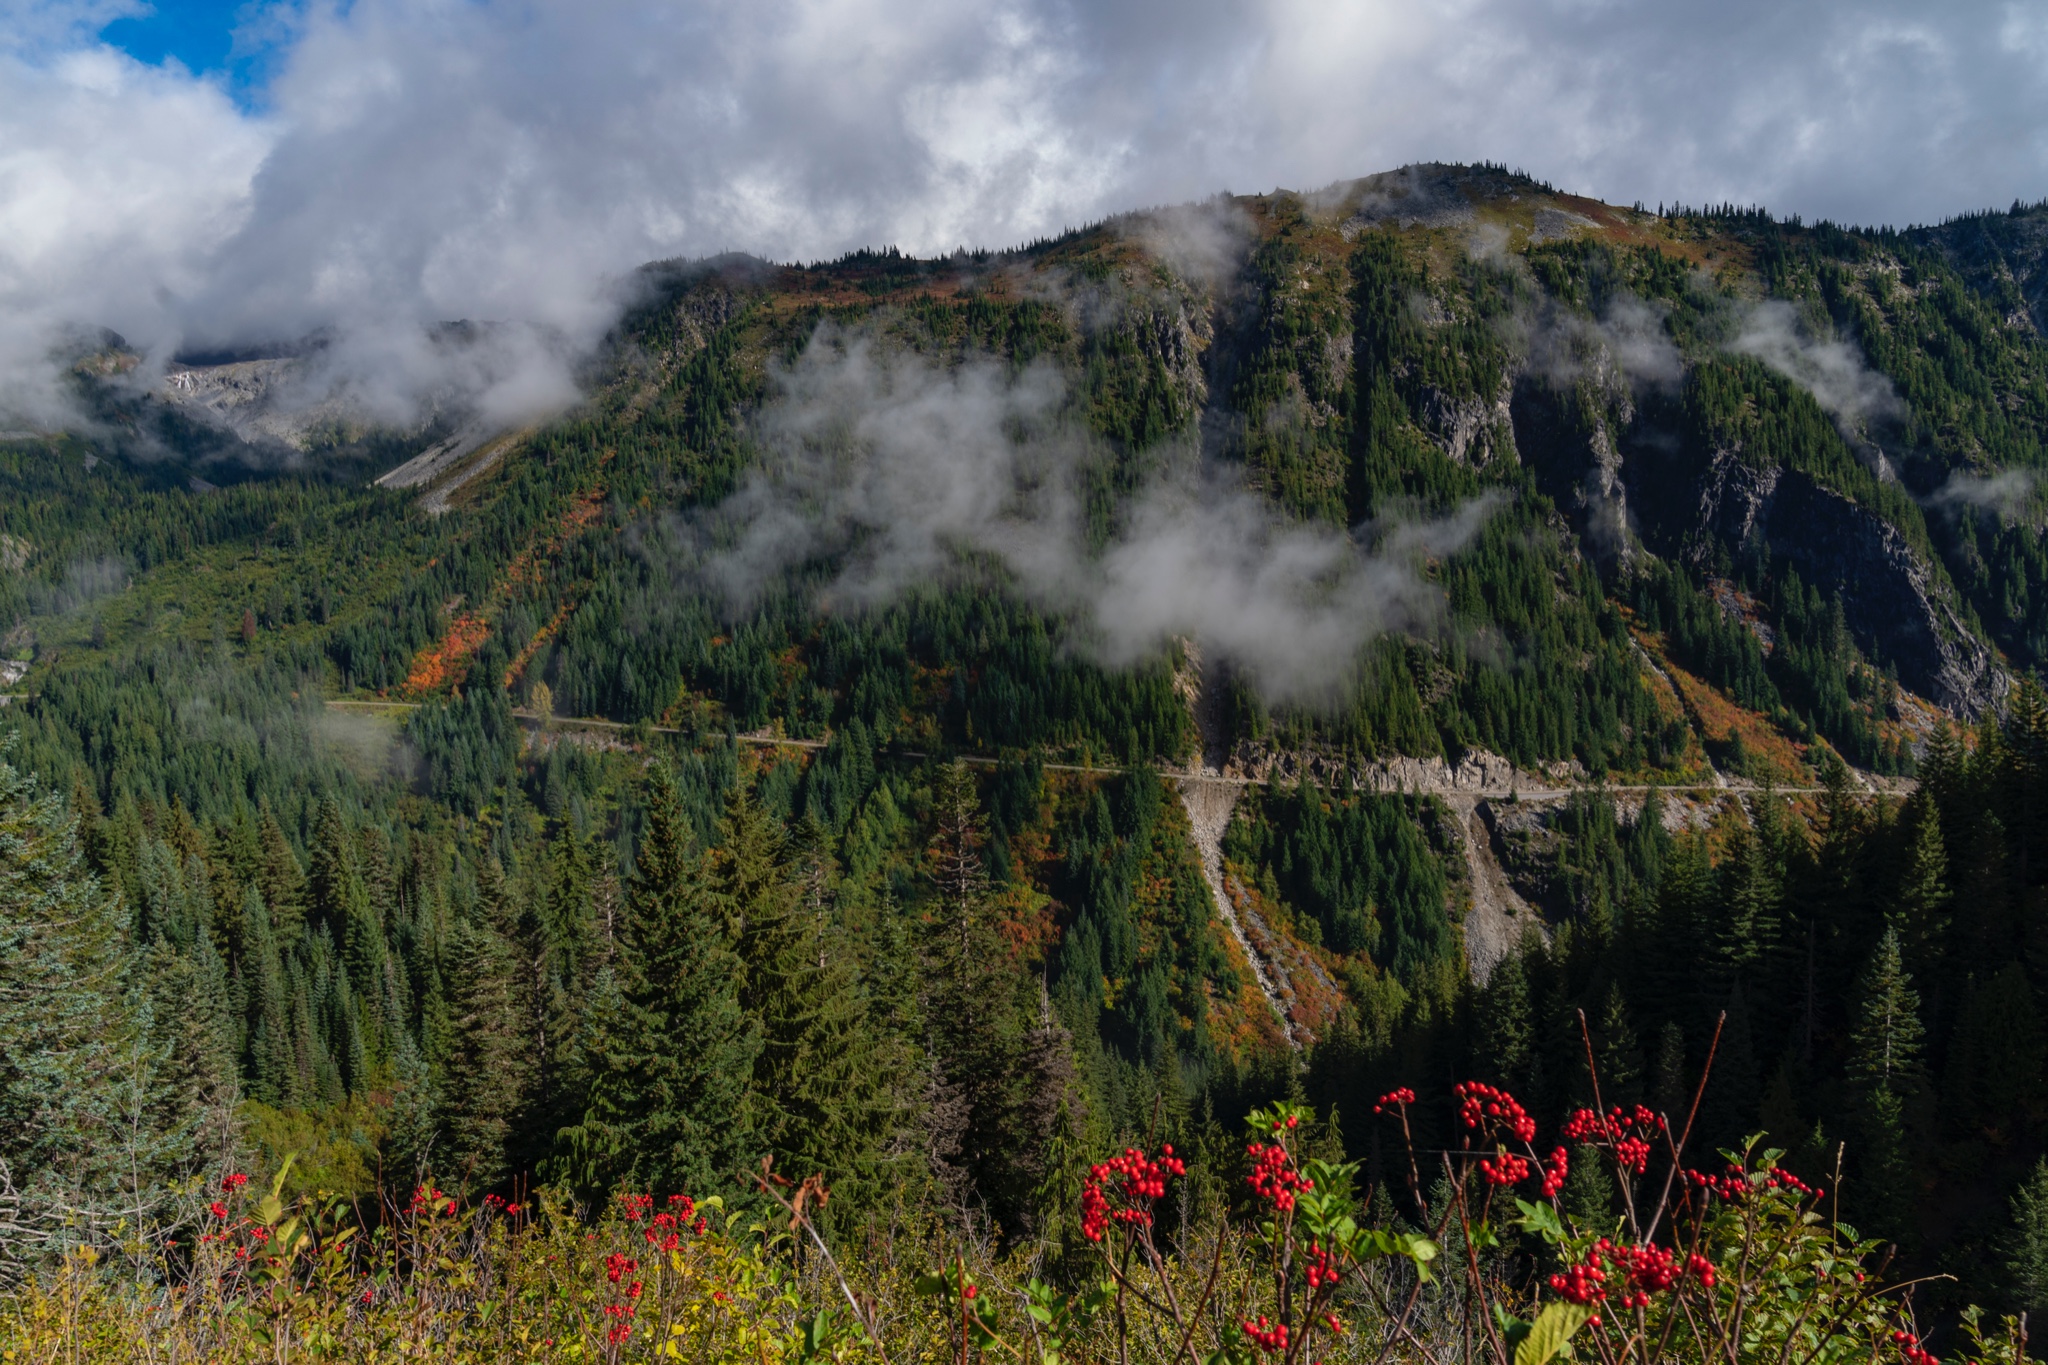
(934, 721)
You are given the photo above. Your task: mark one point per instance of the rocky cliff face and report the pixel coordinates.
(2003, 256)
(1637, 492)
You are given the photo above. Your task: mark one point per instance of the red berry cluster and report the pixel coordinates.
(1644, 1270)
(230, 1184)
(1394, 1097)
(429, 1201)
(635, 1206)
(1122, 1189)
(1914, 1353)
(1554, 1172)
(1627, 1131)
(1785, 1180)
(617, 1266)
(1648, 1270)
(1481, 1105)
(1273, 1176)
(1504, 1169)
(1269, 1337)
(1731, 1186)
(1581, 1283)
(682, 1213)
(1321, 1268)
(1736, 1182)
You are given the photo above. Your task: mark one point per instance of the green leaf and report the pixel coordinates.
(1551, 1332)
(1540, 1219)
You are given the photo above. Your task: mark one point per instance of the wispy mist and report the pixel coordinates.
(1831, 369)
(902, 473)
(2009, 492)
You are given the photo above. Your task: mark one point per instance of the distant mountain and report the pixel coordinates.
(1372, 626)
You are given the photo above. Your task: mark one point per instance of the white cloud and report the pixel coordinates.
(118, 183)
(1830, 369)
(892, 468)
(429, 159)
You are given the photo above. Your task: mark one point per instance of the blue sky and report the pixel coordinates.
(198, 33)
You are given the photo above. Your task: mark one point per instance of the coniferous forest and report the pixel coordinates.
(554, 832)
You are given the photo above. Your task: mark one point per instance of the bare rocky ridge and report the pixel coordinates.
(257, 400)
(1209, 797)
(1498, 917)
(1209, 801)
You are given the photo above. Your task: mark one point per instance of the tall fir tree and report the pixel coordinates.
(1918, 906)
(669, 1107)
(95, 1120)
(1504, 1023)
(2023, 1249)
(488, 1071)
(1884, 1067)
(820, 1083)
(974, 1016)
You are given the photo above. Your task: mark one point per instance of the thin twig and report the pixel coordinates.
(1678, 1151)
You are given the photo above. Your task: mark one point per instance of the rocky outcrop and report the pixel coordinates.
(1898, 608)
(2003, 256)
(258, 400)
(1473, 431)
(1578, 462)
(1891, 596)
(1475, 773)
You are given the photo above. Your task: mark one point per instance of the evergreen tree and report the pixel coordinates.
(820, 1092)
(669, 1108)
(2024, 1247)
(1748, 933)
(86, 1130)
(972, 1011)
(1620, 1056)
(1918, 912)
(1994, 1063)
(281, 881)
(488, 1068)
(1670, 1089)
(1884, 1068)
(1589, 1196)
(1504, 1024)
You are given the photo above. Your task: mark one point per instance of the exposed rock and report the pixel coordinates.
(1498, 917)
(1473, 431)
(2003, 256)
(1890, 594)
(1476, 773)
(1896, 606)
(1553, 225)
(1570, 444)
(1424, 195)
(255, 399)
(1209, 804)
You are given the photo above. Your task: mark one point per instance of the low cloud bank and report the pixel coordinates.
(1829, 368)
(407, 163)
(897, 471)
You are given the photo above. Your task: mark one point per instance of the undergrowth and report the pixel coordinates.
(1473, 1253)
